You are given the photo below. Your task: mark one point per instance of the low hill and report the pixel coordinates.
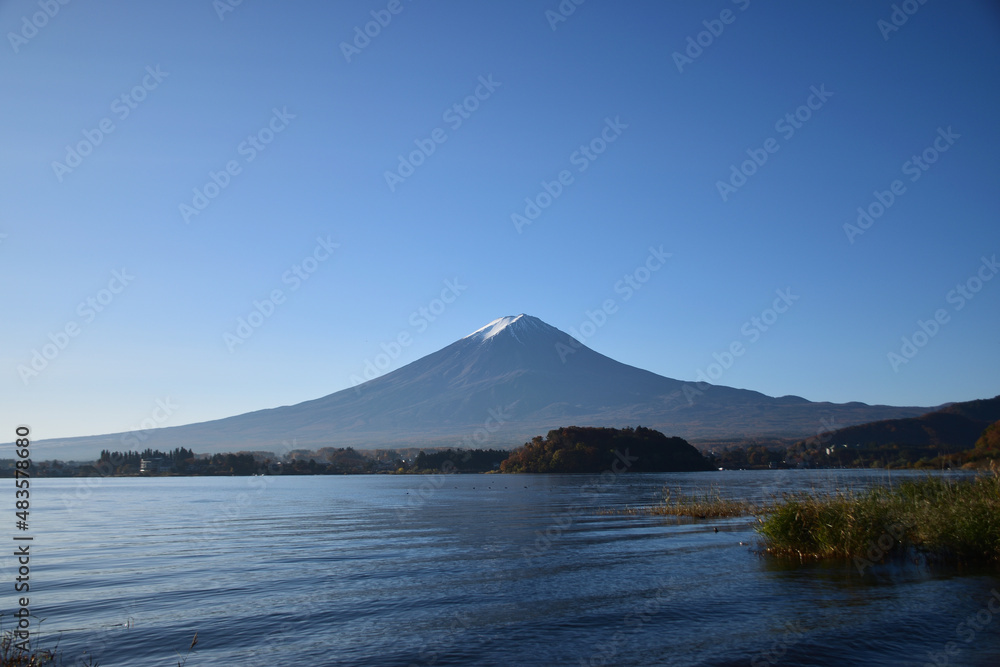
(576, 449)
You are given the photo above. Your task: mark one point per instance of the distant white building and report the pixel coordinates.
(151, 465)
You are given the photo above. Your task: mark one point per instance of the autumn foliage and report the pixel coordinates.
(593, 450)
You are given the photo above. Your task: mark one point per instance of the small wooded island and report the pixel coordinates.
(578, 449)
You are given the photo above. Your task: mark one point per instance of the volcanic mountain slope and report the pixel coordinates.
(515, 378)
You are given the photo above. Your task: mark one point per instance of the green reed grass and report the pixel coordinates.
(954, 521)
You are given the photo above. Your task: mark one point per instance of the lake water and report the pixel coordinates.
(468, 570)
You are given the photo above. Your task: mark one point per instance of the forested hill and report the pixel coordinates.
(953, 428)
(577, 449)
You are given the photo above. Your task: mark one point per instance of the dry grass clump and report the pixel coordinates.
(11, 656)
(708, 505)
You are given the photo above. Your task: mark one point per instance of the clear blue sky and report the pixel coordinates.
(328, 126)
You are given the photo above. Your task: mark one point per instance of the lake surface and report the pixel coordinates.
(468, 570)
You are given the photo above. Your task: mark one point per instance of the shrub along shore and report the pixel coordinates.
(944, 520)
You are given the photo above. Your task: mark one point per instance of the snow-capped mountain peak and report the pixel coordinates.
(495, 327)
(511, 324)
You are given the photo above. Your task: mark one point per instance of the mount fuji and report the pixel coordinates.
(502, 384)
